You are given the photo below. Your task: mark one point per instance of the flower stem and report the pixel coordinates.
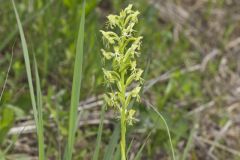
(123, 134)
(123, 119)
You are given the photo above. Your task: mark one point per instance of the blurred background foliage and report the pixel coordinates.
(190, 55)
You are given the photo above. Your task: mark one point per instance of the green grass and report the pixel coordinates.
(76, 87)
(7, 74)
(99, 135)
(139, 153)
(40, 112)
(37, 112)
(167, 128)
(52, 29)
(31, 18)
(113, 143)
(75, 96)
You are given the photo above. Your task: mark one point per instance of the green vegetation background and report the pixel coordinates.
(51, 28)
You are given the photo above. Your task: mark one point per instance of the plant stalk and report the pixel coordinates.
(123, 120)
(123, 134)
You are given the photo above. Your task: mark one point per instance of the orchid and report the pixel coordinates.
(122, 48)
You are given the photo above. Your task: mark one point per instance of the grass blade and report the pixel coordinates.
(32, 17)
(113, 143)
(117, 154)
(165, 123)
(30, 82)
(139, 153)
(7, 73)
(99, 136)
(129, 147)
(190, 140)
(39, 108)
(76, 87)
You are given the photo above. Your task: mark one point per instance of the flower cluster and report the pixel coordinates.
(122, 47)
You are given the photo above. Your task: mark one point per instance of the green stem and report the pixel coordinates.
(123, 135)
(123, 120)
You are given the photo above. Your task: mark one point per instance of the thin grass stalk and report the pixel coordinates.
(167, 128)
(129, 147)
(39, 107)
(76, 87)
(139, 153)
(7, 73)
(41, 154)
(113, 144)
(99, 136)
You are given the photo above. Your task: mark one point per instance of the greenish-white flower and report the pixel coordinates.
(121, 51)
